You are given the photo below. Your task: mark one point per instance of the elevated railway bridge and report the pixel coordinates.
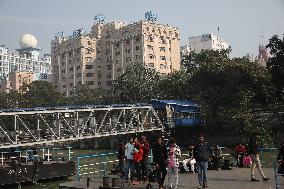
(44, 125)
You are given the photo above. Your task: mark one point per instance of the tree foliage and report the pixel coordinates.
(275, 64)
(84, 95)
(137, 84)
(41, 93)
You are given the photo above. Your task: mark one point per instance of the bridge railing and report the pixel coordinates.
(95, 164)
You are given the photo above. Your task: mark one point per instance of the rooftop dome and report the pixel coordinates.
(28, 41)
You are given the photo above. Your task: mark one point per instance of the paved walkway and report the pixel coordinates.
(238, 178)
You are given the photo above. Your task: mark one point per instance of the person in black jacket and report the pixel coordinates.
(253, 147)
(280, 159)
(201, 154)
(160, 159)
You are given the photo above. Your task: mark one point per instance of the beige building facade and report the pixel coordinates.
(17, 80)
(98, 58)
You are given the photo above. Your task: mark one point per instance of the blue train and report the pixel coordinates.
(184, 112)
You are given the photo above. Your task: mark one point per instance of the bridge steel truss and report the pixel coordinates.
(39, 126)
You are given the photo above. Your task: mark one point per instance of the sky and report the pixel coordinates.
(243, 23)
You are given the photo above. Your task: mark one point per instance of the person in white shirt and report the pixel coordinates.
(189, 159)
(129, 151)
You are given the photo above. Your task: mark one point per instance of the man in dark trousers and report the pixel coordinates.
(121, 158)
(201, 154)
(253, 147)
(146, 150)
(280, 159)
(160, 159)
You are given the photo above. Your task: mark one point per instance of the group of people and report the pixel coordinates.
(134, 156)
(166, 159)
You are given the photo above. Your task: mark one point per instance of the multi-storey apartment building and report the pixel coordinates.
(109, 48)
(207, 41)
(73, 62)
(25, 59)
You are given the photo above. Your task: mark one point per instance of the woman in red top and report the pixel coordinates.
(240, 151)
(137, 158)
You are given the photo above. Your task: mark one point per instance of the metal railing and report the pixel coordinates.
(95, 164)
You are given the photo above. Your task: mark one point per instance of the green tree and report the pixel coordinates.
(41, 93)
(175, 85)
(275, 64)
(84, 95)
(228, 90)
(137, 84)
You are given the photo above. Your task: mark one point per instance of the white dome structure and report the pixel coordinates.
(28, 41)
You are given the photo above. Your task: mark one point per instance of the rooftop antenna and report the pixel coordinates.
(151, 16)
(99, 18)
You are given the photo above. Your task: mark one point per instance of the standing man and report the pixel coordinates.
(121, 158)
(146, 150)
(254, 154)
(280, 159)
(202, 151)
(160, 160)
(129, 151)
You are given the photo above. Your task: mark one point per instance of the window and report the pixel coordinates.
(79, 82)
(107, 43)
(127, 50)
(162, 40)
(127, 42)
(78, 67)
(99, 75)
(137, 57)
(71, 84)
(163, 66)
(151, 65)
(89, 74)
(107, 35)
(63, 71)
(117, 45)
(71, 69)
(99, 83)
(150, 38)
(109, 83)
(151, 56)
(79, 75)
(108, 67)
(89, 67)
(162, 58)
(108, 75)
(137, 39)
(107, 51)
(89, 82)
(64, 86)
(128, 59)
(117, 53)
(162, 49)
(150, 47)
(118, 69)
(117, 61)
(137, 48)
